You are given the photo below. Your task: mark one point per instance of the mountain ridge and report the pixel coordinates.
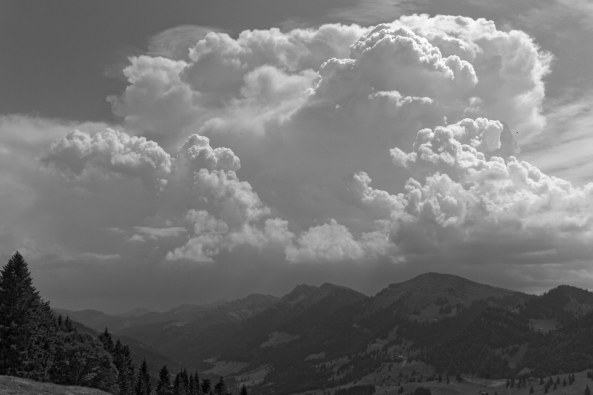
(438, 323)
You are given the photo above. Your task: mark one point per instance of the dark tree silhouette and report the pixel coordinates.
(27, 325)
(163, 386)
(143, 386)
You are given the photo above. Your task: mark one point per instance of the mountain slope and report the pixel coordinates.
(434, 288)
(99, 320)
(138, 351)
(331, 336)
(182, 339)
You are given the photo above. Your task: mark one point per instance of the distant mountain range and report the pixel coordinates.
(317, 338)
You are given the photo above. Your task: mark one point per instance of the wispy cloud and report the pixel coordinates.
(370, 12)
(564, 149)
(175, 43)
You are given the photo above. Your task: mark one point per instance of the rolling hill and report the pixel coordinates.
(328, 337)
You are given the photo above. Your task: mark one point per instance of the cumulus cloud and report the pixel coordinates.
(197, 154)
(392, 143)
(509, 66)
(113, 151)
(331, 98)
(209, 173)
(290, 103)
(333, 242)
(458, 146)
(468, 202)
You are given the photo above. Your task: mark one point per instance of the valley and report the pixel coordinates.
(322, 339)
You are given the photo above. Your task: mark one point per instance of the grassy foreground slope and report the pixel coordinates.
(17, 386)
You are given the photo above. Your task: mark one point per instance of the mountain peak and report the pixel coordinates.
(299, 293)
(427, 288)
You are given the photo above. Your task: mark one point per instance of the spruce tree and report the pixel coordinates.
(184, 381)
(143, 386)
(197, 388)
(177, 385)
(587, 390)
(27, 324)
(192, 385)
(68, 325)
(126, 377)
(107, 341)
(164, 384)
(220, 387)
(206, 384)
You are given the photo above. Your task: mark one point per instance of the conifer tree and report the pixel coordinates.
(118, 362)
(244, 390)
(184, 381)
(68, 325)
(206, 384)
(197, 388)
(531, 390)
(220, 387)
(27, 325)
(587, 390)
(126, 377)
(143, 386)
(192, 385)
(107, 341)
(164, 384)
(177, 385)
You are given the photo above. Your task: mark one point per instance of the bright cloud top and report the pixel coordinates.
(269, 142)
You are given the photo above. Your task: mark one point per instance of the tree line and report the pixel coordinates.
(36, 344)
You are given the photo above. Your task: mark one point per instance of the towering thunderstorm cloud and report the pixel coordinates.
(268, 142)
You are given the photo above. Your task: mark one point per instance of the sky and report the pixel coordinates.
(157, 153)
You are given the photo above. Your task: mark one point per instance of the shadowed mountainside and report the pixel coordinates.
(327, 336)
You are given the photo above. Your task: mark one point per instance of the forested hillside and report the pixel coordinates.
(433, 328)
(36, 344)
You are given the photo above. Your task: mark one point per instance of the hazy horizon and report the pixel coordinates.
(218, 301)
